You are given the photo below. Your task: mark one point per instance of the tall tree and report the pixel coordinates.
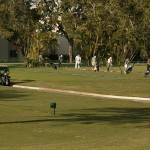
(17, 23)
(21, 26)
(71, 17)
(102, 27)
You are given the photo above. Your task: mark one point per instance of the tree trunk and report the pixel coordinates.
(96, 44)
(97, 62)
(70, 41)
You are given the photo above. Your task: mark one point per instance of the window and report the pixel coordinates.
(13, 53)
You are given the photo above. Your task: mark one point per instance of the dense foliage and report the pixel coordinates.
(119, 28)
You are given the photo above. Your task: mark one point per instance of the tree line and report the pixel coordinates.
(117, 28)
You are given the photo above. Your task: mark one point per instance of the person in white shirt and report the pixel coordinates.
(40, 58)
(94, 68)
(126, 65)
(109, 64)
(77, 62)
(60, 59)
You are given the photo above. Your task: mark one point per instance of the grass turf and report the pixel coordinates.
(113, 83)
(81, 122)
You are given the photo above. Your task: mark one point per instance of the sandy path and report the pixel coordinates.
(84, 93)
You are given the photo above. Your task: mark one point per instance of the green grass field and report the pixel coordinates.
(114, 83)
(81, 122)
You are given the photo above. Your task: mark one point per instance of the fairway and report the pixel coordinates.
(81, 122)
(74, 74)
(27, 122)
(111, 83)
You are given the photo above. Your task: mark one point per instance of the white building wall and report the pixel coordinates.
(63, 46)
(4, 47)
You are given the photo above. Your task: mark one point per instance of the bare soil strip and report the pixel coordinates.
(84, 93)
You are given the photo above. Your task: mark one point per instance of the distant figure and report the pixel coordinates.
(41, 60)
(147, 73)
(93, 62)
(148, 64)
(53, 66)
(126, 65)
(77, 62)
(60, 59)
(109, 64)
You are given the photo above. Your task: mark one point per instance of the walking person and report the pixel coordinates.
(109, 64)
(77, 61)
(60, 59)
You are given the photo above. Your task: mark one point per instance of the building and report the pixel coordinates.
(9, 53)
(63, 46)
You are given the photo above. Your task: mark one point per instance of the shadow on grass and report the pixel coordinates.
(22, 81)
(114, 116)
(11, 95)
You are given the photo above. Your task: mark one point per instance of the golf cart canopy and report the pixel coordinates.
(4, 68)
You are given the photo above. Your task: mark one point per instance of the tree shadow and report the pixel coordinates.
(113, 116)
(27, 121)
(11, 95)
(15, 82)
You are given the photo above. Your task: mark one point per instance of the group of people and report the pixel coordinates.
(94, 63)
(127, 66)
(77, 61)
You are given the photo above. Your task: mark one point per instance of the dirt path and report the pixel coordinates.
(84, 93)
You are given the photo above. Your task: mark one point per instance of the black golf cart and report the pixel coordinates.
(4, 76)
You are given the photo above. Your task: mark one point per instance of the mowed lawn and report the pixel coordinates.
(113, 83)
(81, 123)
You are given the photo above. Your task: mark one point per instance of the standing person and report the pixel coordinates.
(94, 68)
(77, 62)
(148, 65)
(41, 61)
(109, 64)
(126, 65)
(147, 73)
(60, 59)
